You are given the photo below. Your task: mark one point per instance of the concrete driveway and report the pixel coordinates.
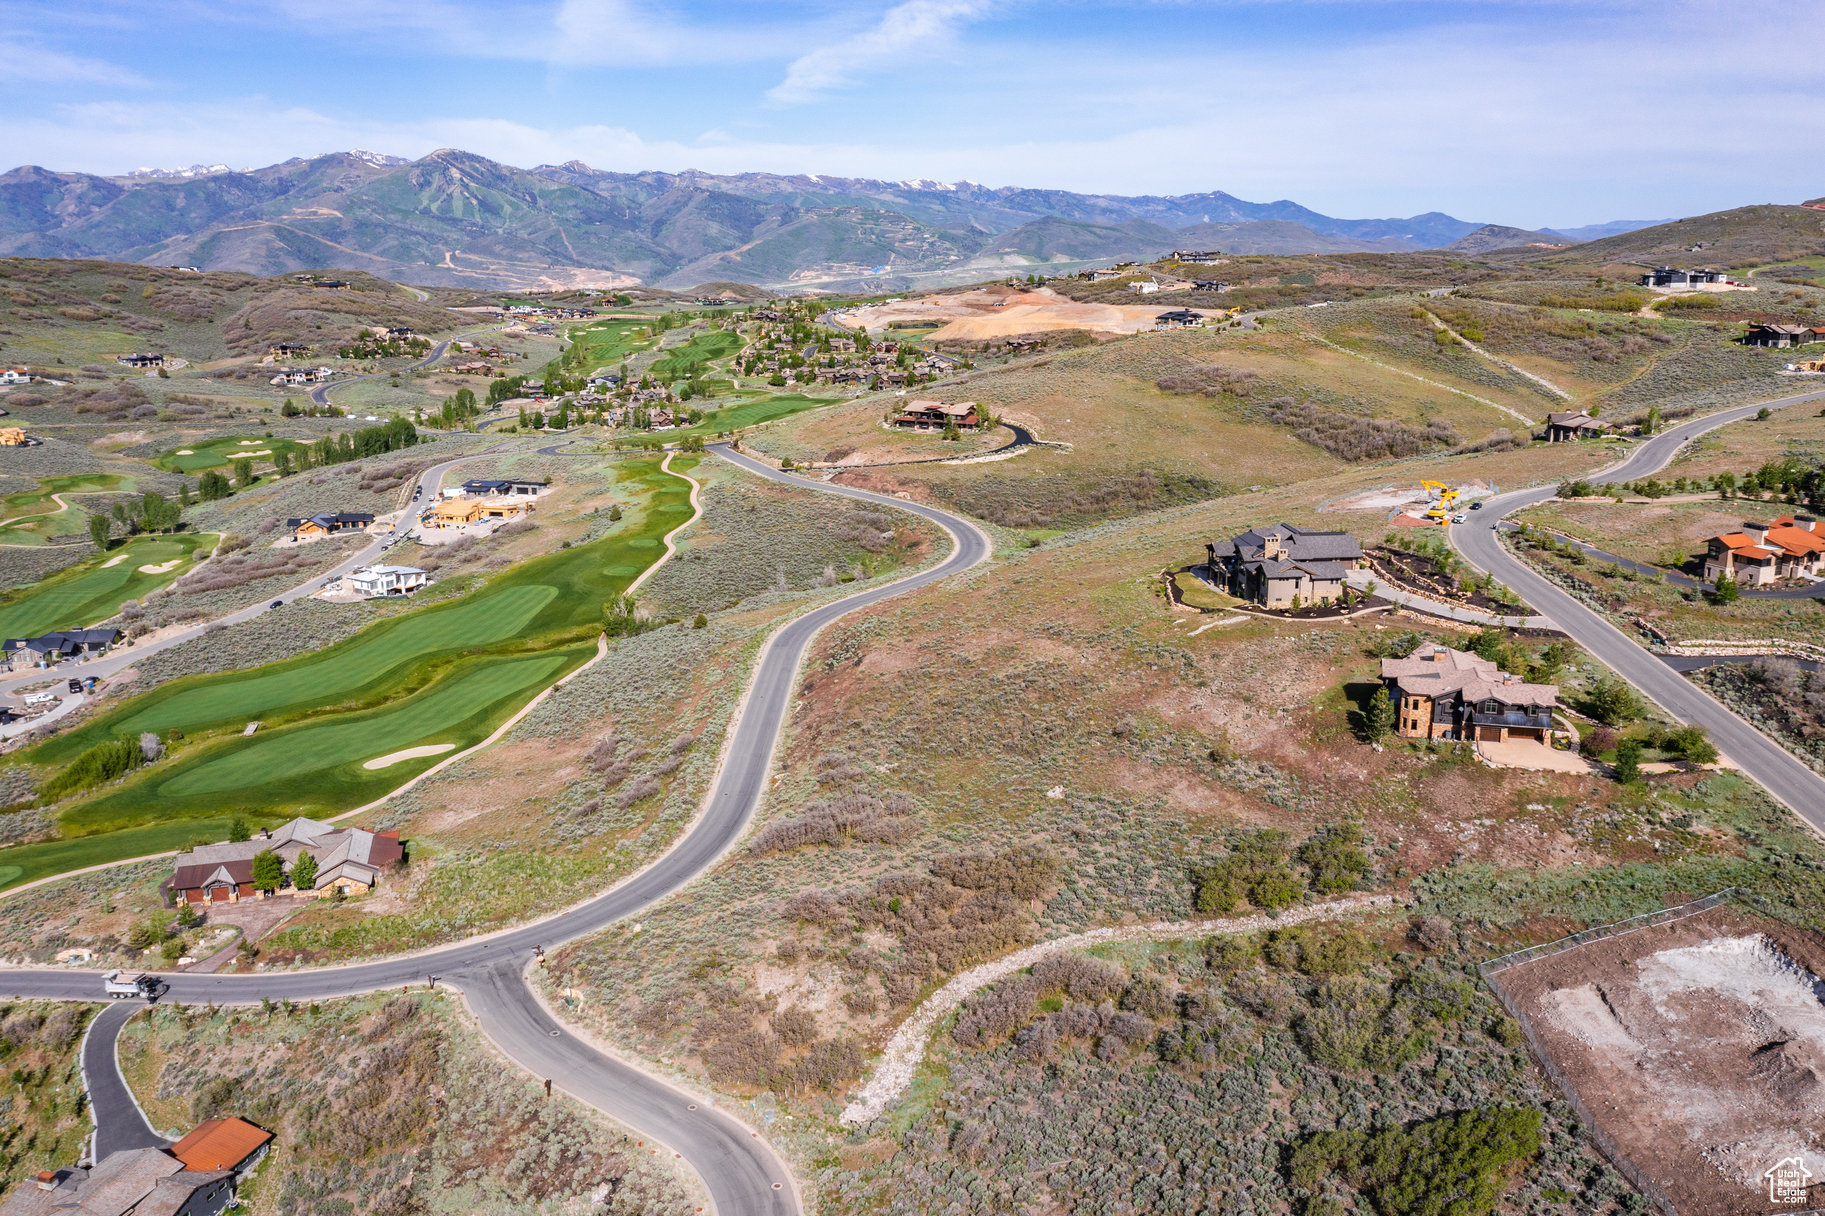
(1525, 753)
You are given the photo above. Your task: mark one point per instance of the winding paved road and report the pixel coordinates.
(742, 1174)
(1777, 769)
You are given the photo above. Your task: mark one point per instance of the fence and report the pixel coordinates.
(1491, 972)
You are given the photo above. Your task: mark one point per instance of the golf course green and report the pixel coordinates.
(93, 590)
(216, 453)
(25, 516)
(450, 674)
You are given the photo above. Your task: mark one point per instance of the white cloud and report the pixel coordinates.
(911, 28)
(41, 65)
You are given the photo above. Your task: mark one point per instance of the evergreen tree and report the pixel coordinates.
(1628, 761)
(98, 530)
(1378, 718)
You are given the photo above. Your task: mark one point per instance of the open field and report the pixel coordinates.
(94, 589)
(45, 1115)
(1697, 1045)
(453, 670)
(1748, 445)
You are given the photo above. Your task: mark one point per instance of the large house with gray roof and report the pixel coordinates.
(1275, 565)
(1443, 693)
(349, 861)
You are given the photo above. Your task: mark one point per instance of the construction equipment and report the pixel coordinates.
(1444, 497)
(125, 985)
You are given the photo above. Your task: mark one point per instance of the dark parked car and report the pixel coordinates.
(277, 604)
(75, 685)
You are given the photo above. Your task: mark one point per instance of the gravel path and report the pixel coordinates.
(906, 1050)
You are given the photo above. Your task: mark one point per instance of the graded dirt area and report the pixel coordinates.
(1699, 1047)
(1002, 312)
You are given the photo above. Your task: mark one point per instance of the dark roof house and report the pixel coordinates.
(65, 642)
(1273, 565)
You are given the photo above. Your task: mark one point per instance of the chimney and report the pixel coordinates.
(1806, 522)
(1755, 530)
(47, 1180)
(265, 833)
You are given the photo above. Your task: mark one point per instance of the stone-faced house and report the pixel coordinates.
(1271, 566)
(1441, 693)
(349, 860)
(1569, 425)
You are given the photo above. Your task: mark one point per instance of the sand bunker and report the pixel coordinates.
(161, 567)
(116, 560)
(185, 452)
(410, 753)
(248, 443)
(1002, 312)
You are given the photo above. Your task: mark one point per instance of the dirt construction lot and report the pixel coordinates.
(1699, 1047)
(1002, 312)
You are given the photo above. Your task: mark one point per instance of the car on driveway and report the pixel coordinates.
(276, 604)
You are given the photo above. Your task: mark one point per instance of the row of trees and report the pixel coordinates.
(153, 512)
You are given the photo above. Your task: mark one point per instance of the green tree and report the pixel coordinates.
(1690, 743)
(268, 870)
(623, 618)
(1613, 703)
(1628, 760)
(243, 473)
(289, 409)
(184, 495)
(99, 529)
(238, 829)
(1378, 716)
(1726, 591)
(212, 485)
(281, 463)
(304, 872)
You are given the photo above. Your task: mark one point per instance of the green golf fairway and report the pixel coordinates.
(94, 590)
(330, 675)
(436, 715)
(25, 511)
(217, 453)
(450, 673)
(767, 409)
(690, 359)
(607, 343)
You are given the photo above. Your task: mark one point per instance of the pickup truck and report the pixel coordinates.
(126, 985)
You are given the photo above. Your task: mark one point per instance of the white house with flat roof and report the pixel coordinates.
(374, 581)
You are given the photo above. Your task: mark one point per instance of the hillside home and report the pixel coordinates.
(455, 512)
(301, 375)
(1782, 335)
(349, 860)
(1209, 285)
(141, 360)
(1569, 425)
(376, 581)
(330, 284)
(1273, 566)
(194, 1177)
(1197, 257)
(936, 415)
(15, 375)
(13, 437)
(1666, 276)
(1443, 693)
(288, 350)
(1145, 287)
(1791, 546)
(329, 523)
(484, 487)
(63, 644)
(1178, 318)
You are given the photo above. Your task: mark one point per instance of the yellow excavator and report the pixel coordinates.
(1440, 512)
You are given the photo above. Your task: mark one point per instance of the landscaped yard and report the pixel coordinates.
(94, 590)
(449, 673)
(1197, 593)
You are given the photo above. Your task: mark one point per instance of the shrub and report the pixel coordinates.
(1255, 868)
(1628, 761)
(1334, 855)
(103, 762)
(1454, 1165)
(1613, 703)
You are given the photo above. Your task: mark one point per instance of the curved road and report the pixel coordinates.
(743, 1176)
(1773, 766)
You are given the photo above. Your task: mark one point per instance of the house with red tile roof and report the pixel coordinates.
(1763, 553)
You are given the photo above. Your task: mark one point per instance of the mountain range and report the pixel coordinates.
(457, 219)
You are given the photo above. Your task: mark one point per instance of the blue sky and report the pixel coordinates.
(1520, 113)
